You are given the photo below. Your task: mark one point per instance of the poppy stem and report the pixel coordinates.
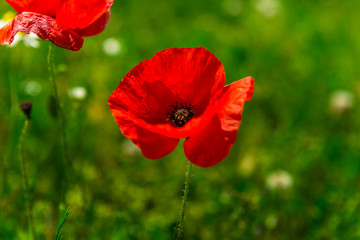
(179, 230)
(25, 179)
(60, 114)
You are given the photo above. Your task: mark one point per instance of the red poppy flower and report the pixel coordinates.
(62, 22)
(180, 93)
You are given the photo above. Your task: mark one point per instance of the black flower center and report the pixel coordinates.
(180, 114)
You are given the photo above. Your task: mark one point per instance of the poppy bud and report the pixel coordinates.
(26, 108)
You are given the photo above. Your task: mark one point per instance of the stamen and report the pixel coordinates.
(181, 114)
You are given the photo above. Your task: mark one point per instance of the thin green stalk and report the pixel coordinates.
(66, 157)
(59, 232)
(179, 230)
(25, 180)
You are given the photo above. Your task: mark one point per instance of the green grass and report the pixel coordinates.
(299, 57)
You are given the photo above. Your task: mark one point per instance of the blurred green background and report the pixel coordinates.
(293, 173)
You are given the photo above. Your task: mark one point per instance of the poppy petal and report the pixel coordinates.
(152, 145)
(79, 14)
(44, 27)
(209, 146)
(96, 27)
(194, 75)
(213, 142)
(45, 7)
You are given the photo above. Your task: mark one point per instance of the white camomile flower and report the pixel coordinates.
(341, 101)
(112, 47)
(279, 180)
(268, 8)
(77, 93)
(31, 87)
(130, 149)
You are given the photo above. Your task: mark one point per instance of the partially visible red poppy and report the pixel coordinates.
(180, 93)
(62, 22)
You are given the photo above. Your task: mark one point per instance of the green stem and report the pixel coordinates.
(180, 224)
(66, 157)
(25, 180)
(15, 69)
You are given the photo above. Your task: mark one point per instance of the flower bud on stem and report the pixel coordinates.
(26, 108)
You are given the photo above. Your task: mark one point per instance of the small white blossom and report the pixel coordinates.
(112, 47)
(32, 87)
(31, 40)
(77, 93)
(269, 8)
(130, 149)
(340, 101)
(279, 180)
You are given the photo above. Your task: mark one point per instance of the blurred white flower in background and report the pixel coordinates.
(340, 101)
(130, 149)
(77, 93)
(112, 47)
(29, 40)
(279, 180)
(31, 87)
(268, 8)
(232, 7)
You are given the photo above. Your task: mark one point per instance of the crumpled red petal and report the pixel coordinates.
(96, 27)
(152, 145)
(79, 14)
(213, 142)
(45, 27)
(46, 7)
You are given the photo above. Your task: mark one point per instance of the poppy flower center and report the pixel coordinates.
(181, 114)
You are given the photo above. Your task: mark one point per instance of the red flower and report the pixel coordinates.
(62, 22)
(180, 93)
